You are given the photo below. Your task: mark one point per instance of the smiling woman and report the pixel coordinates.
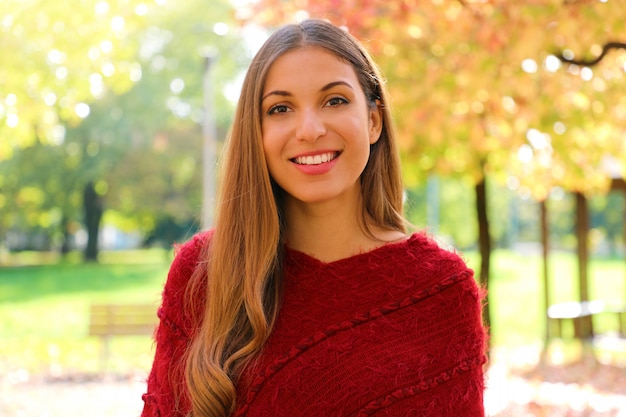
(317, 129)
(309, 297)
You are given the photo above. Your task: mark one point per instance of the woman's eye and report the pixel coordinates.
(335, 101)
(279, 108)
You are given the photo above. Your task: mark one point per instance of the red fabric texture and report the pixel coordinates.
(392, 332)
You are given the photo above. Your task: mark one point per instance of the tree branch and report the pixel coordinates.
(472, 10)
(576, 2)
(591, 62)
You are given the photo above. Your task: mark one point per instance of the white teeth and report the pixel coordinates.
(315, 159)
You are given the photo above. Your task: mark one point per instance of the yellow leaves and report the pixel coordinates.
(32, 196)
(619, 110)
(390, 50)
(453, 11)
(458, 81)
(415, 32)
(509, 105)
(101, 187)
(460, 108)
(579, 100)
(437, 50)
(6, 148)
(55, 49)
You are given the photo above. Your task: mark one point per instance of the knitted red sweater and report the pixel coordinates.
(392, 332)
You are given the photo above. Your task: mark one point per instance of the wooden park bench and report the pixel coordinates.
(574, 312)
(110, 320)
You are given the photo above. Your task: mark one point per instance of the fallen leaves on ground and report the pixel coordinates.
(528, 386)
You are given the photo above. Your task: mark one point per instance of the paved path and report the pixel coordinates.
(119, 397)
(570, 391)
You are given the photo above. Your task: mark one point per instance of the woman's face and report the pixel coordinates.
(317, 126)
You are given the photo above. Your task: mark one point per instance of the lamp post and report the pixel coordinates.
(209, 146)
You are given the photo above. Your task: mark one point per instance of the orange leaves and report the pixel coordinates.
(469, 79)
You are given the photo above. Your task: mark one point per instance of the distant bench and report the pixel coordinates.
(109, 320)
(575, 311)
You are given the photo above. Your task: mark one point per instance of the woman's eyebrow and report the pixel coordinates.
(284, 93)
(334, 84)
(277, 93)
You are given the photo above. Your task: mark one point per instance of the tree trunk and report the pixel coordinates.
(65, 245)
(545, 249)
(619, 184)
(484, 243)
(93, 214)
(582, 233)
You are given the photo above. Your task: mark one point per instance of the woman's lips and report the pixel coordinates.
(316, 164)
(315, 159)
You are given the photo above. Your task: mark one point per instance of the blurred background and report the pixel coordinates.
(512, 128)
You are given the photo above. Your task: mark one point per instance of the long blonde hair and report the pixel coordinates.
(242, 272)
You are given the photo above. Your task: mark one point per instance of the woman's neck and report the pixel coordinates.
(333, 230)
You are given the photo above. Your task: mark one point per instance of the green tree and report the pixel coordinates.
(158, 179)
(139, 146)
(608, 219)
(63, 55)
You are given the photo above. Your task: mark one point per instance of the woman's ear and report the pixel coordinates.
(376, 122)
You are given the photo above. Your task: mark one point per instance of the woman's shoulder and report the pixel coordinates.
(429, 252)
(188, 256)
(424, 261)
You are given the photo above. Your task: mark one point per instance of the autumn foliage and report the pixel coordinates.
(480, 87)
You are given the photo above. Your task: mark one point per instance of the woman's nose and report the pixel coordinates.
(311, 126)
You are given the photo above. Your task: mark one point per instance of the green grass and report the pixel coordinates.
(44, 309)
(517, 297)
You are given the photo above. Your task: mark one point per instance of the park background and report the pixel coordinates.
(511, 118)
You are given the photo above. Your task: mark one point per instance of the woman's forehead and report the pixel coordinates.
(308, 64)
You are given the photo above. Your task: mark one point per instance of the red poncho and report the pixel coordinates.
(392, 332)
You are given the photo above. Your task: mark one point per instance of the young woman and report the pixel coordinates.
(309, 298)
